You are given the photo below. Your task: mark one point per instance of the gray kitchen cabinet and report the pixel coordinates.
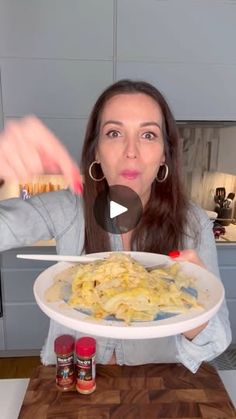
(178, 47)
(63, 88)
(175, 31)
(24, 325)
(65, 91)
(56, 29)
(227, 266)
(189, 87)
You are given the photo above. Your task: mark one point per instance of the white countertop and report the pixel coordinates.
(229, 379)
(12, 392)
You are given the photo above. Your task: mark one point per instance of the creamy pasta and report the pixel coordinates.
(121, 287)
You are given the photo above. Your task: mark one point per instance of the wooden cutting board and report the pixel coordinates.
(146, 391)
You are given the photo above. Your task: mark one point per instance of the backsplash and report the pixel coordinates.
(9, 190)
(37, 184)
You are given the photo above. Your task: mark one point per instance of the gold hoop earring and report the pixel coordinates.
(160, 180)
(90, 172)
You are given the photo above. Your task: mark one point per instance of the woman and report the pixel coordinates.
(131, 140)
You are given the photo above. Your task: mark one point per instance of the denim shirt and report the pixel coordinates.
(59, 215)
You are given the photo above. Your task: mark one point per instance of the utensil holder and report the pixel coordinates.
(224, 216)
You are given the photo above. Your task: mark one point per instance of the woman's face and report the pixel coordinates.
(130, 146)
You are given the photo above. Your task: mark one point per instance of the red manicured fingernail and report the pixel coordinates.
(174, 254)
(78, 187)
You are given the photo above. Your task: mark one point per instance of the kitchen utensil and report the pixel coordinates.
(217, 201)
(60, 258)
(227, 202)
(210, 295)
(74, 259)
(220, 192)
(229, 199)
(231, 196)
(225, 216)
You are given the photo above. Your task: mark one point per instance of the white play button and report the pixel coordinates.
(116, 209)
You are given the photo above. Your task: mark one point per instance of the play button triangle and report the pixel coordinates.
(116, 209)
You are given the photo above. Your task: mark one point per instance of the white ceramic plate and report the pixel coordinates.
(211, 294)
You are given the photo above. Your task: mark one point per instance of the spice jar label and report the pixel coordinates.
(65, 371)
(85, 374)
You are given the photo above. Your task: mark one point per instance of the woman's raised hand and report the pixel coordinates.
(28, 148)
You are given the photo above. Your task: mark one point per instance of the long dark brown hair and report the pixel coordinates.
(164, 220)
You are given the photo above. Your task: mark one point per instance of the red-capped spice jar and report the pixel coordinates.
(85, 367)
(64, 346)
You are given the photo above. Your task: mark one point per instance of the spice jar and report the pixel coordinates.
(64, 347)
(85, 367)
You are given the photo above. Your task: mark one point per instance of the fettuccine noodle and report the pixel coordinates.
(120, 286)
